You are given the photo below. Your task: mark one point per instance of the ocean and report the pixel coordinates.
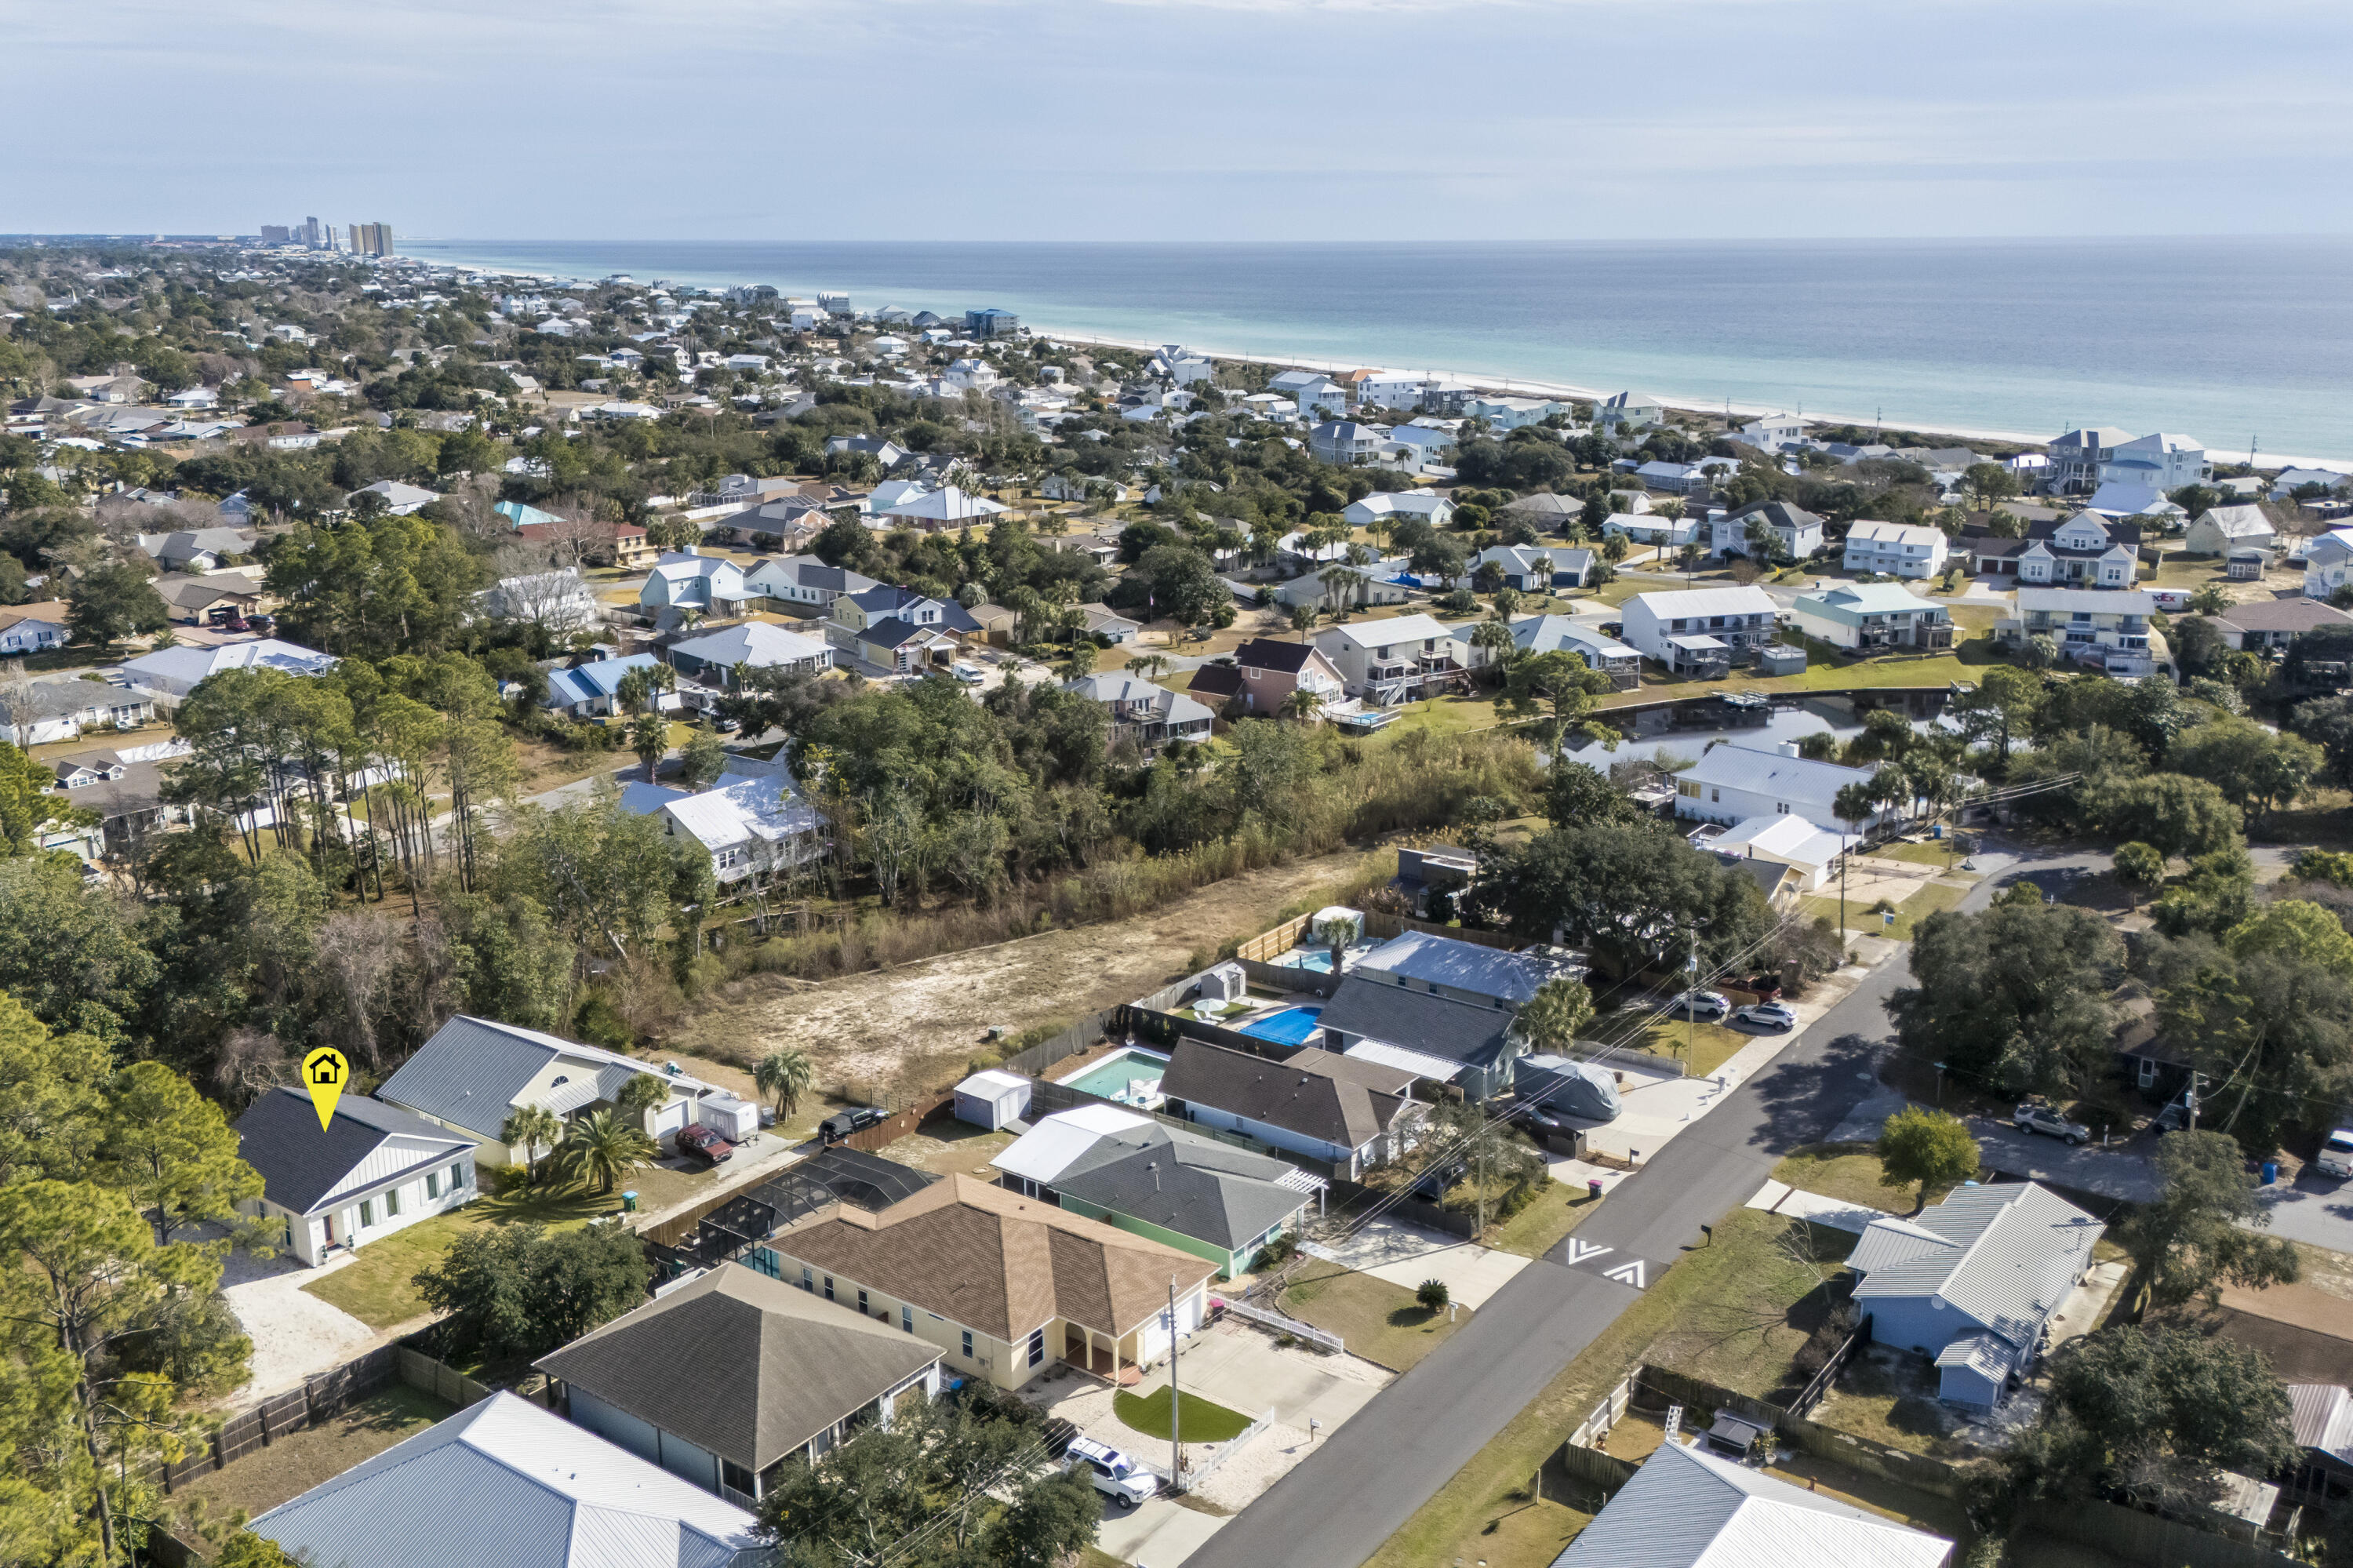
(2238, 342)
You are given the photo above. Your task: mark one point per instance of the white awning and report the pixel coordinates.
(1420, 1064)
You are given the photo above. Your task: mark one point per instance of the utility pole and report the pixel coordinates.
(1176, 1447)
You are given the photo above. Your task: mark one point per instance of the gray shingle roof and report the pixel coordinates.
(278, 1136)
(748, 1367)
(1436, 1026)
(1313, 1092)
(1195, 1186)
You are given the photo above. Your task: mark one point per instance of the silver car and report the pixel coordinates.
(1767, 1015)
(2045, 1120)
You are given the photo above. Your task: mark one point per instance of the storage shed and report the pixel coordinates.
(992, 1099)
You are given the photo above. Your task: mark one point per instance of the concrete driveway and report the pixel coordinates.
(1241, 1367)
(295, 1335)
(2126, 1171)
(1155, 1534)
(1406, 1254)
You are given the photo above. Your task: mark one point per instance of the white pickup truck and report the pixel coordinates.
(2336, 1154)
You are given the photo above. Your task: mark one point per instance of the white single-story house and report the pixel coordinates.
(1790, 840)
(1388, 506)
(712, 658)
(399, 500)
(374, 1169)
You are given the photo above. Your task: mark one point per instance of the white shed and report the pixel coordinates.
(991, 1100)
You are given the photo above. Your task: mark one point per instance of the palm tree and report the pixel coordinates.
(649, 738)
(1302, 705)
(640, 1095)
(1495, 637)
(784, 1076)
(1550, 1020)
(528, 1130)
(602, 1148)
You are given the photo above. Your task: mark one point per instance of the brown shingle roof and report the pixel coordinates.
(995, 1261)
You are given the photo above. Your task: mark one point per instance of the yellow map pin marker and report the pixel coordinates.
(324, 1073)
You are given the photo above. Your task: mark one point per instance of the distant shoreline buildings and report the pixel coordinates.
(360, 238)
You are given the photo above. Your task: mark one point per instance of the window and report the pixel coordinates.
(457, 1176)
(861, 1304)
(907, 1318)
(968, 1344)
(732, 1474)
(808, 1278)
(829, 1287)
(432, 1185)
(367, 1212)
(1037, 1346)
(391, 1203)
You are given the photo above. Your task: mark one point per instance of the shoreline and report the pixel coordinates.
(1507, 385)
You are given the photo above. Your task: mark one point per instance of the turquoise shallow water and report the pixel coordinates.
(2226, 339)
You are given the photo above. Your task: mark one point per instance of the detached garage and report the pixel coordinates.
(992, 1099)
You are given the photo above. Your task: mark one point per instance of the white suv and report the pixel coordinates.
(1114, 1475)
(2336, 1154)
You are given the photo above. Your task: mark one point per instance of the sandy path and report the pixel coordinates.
(913, 1026)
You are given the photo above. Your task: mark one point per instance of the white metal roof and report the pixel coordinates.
(1684, 1508)
(1678, 604)
(1047, 1150)
(1420, 1064)
(991, 1082)
(510, 1483)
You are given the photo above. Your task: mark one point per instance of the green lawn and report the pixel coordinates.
(1457, 1521)
(1537, 1229)
(1915, 909)
(377, 1285)
(1849, 1171)
(1204, 1422)
(1781, 1280)
(1825, 670)
(1701, 1047)
(1377, 1321)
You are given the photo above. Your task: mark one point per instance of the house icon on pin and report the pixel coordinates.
(327, 1070)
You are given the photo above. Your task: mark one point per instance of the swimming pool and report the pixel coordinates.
(1131, 1075)
(1318, 960)
(1290, 1026)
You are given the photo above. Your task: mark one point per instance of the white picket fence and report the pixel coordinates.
(1278, 1324)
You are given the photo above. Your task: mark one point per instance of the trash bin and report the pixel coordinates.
(1593, 1186)
(628, 1202)
(2270, 1173)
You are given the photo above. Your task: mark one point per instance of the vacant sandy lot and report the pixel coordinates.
(913, 1027)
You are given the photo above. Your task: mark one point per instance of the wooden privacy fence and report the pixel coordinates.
(2145, 1537)
(1664, 1386)
(327, 1394)
(891, 1129)
(1379, 924)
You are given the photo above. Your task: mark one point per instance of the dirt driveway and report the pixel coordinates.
(913, 1027)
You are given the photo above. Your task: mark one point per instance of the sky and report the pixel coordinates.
(1183, 119)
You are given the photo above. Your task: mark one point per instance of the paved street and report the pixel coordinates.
(1340, 1504)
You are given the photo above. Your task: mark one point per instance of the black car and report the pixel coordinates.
(841, 1124)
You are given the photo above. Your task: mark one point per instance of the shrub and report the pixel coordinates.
(1432, 1295)
(599, 1022)
(1275, 1254)
(503, 1178)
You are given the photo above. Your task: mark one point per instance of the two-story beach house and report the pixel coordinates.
(1700, 631)
(1395, 661)
(2109, 631)
(1895, 549)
